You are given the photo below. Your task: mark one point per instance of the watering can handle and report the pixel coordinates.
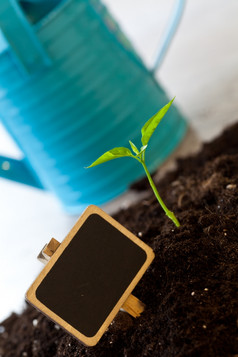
(169, 33)
(21, 36)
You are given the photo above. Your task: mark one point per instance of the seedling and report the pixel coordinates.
(146, 133)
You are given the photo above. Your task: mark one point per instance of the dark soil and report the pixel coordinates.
(191, 288)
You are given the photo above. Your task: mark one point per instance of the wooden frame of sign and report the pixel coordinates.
(90, 276)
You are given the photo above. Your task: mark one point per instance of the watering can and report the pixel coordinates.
(72, 87)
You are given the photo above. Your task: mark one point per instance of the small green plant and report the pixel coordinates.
(146, 133)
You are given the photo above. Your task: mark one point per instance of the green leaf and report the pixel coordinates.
(134, 148)
(111, 155)
(142, 149)
(153, 122)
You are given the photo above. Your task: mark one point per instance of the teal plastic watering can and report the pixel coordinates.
(72, 87)
(37, 9)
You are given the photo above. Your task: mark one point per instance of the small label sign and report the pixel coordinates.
(90, 276)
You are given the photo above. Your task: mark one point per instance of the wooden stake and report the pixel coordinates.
(133, 306)
(48, 250)
(51, 247)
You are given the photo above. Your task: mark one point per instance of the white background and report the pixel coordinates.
(201, 69)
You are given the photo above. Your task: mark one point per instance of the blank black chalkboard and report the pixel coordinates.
(91, 274)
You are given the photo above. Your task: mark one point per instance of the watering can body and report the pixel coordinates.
(78, 90)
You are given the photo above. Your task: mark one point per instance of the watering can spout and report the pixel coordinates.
(17, 170)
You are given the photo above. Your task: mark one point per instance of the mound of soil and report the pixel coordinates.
(191, 288)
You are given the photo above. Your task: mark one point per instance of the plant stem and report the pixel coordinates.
(166, 210)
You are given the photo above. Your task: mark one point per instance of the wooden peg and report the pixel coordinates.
(51, 247)
(48, 250)
(133, 306)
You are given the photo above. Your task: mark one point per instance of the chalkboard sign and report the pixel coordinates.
(90, 275)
